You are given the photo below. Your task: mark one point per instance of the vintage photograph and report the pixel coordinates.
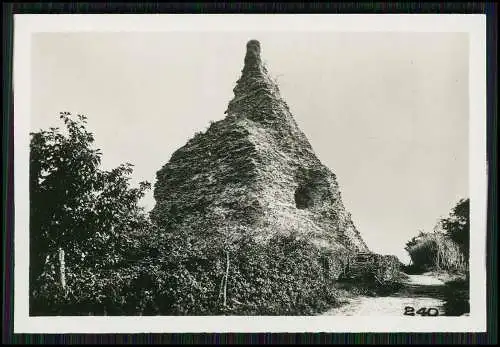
(250, 173)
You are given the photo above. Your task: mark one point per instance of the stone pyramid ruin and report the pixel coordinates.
(254, 172)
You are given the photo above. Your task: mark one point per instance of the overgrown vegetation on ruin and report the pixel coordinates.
(93, 249)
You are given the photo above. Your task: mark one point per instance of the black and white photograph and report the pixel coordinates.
(297, 173)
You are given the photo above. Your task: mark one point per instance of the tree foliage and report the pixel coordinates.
(91, 214)
(447, 247)
(457, 225)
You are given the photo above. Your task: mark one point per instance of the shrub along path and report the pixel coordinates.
(419, 292)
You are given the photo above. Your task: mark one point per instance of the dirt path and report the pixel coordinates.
(419, 291)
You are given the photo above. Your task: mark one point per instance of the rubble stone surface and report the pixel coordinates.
(255, 172)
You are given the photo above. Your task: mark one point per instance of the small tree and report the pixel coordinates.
(82, 219)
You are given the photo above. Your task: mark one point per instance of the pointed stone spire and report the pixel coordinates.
(254, 82)
(253, 61)
(262, 174)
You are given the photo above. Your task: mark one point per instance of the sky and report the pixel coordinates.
(387, 112)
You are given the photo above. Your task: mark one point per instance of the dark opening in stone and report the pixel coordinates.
(303, 198)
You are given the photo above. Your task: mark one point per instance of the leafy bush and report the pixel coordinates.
(447, 248)
(377, 275)
(290, 274)
(287, 275)
(436, 251)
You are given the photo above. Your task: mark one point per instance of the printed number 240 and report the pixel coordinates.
(431, 311)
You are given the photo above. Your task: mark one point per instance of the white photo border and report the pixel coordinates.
(473, 24)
